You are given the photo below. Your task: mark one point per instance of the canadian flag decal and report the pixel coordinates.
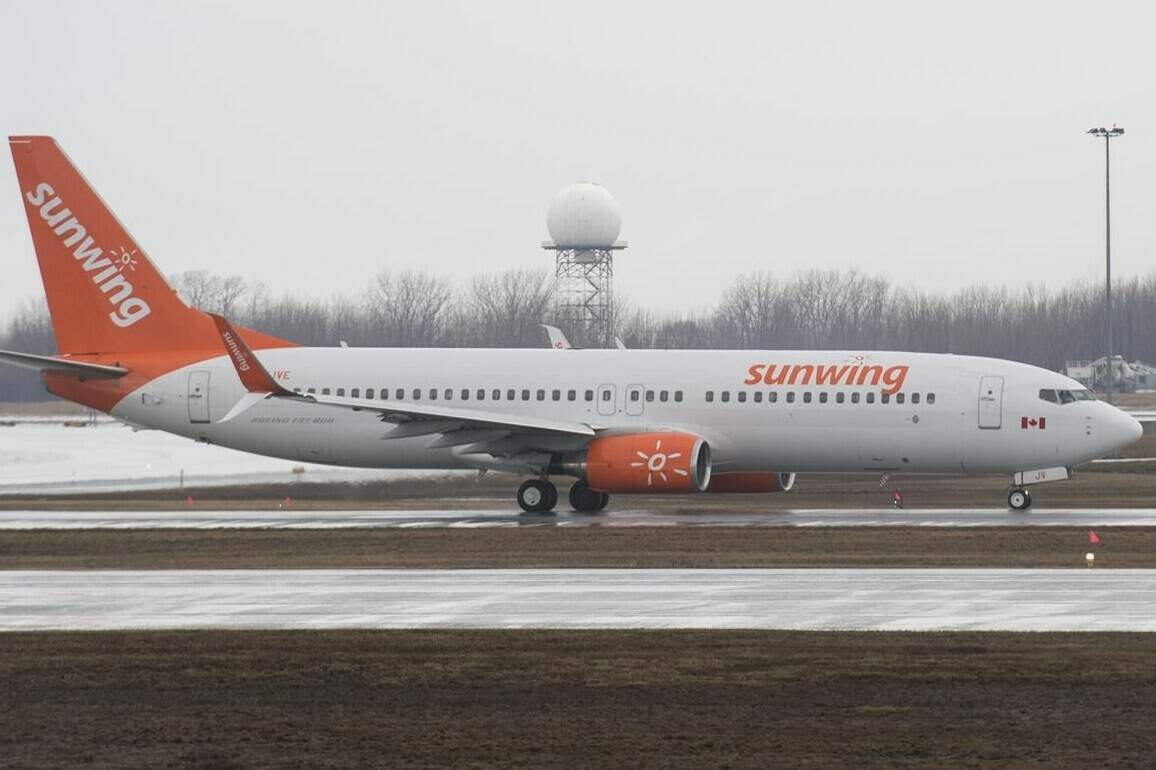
(1027, 423)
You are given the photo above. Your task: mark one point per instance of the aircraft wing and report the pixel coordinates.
(558, 340)
(59, 365)
(421, 418)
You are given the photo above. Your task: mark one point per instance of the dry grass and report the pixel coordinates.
(654, 547)
(544, 699)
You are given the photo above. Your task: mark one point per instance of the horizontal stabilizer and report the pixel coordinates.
(58, 365)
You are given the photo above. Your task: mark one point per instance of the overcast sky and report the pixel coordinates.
(310, 145)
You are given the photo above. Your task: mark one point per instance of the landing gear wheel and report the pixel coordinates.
(537, 496)
(586, 500)
(1019, 499)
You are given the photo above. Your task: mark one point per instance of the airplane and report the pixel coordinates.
(618, 421)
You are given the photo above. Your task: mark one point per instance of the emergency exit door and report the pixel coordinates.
(990, 402)
(199, 396)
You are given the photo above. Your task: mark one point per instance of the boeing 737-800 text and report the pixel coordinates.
(629, 421)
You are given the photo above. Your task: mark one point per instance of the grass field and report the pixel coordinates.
(540, 699)
(653, 547)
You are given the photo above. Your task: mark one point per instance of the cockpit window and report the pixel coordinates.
(1066, 396)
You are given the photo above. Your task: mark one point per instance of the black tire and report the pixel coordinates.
(537, 496)
(1019, 499)
(586, 500)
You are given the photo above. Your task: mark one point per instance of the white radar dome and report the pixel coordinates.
(584, 216)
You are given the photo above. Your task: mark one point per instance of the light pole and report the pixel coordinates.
(1108, 134)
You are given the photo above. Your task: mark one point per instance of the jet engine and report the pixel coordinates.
(759, 481)
(661, 462)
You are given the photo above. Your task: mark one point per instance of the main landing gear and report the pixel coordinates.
(586, 500)
(537, 496)
(1019, 499)
(541, 496)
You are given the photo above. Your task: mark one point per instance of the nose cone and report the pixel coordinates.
(1119, 430)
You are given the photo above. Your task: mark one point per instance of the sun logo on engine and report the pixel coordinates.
(655, 463)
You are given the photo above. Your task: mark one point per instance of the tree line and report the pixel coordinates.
(814, 309)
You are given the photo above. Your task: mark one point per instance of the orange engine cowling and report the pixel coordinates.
(664, 462)
(759, 481)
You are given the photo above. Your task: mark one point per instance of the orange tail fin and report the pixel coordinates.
(104, 294)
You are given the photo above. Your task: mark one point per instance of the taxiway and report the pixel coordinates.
(313, 519)
(825, 599)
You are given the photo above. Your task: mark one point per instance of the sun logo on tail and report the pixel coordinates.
(125, 258)
(655, 464)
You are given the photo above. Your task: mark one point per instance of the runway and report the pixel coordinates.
(827, 599)
(306, 519)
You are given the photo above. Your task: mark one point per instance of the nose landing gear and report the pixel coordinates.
(1019, 499)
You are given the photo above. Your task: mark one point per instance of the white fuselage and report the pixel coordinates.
(937, 421)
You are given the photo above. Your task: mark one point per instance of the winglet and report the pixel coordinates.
(254, 377)
(558, 340)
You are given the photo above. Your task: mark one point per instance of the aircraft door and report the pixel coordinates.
(990, 402)
(607, 399)
(634, 402)
(199, 396)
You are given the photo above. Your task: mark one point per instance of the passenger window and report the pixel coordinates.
(465, 394)
(931, 398)
(709, 396)
(1049, 395)
(726, 396)
(481, 394)
(790, 396)
(541, 394)
(355, 393)
(433, 394)
(742, 396)
(678, 396)
(556, 395)
(325, 391)
(1066, 396)
(840, 397)
(649, 396)
(449, 394)
(915, 398)
(606, 394)
(772, 397)
(399, 394)
(571, 395)
(807, 397)
(369, 392)
(885, 398)
(758, 397)
(854, 398)
(525, 395)
(822, 398)
(871, 397)
(509, 395)
(634, 395)
(589, 395)
(341, 391)
(663, 395)
(899, 398)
